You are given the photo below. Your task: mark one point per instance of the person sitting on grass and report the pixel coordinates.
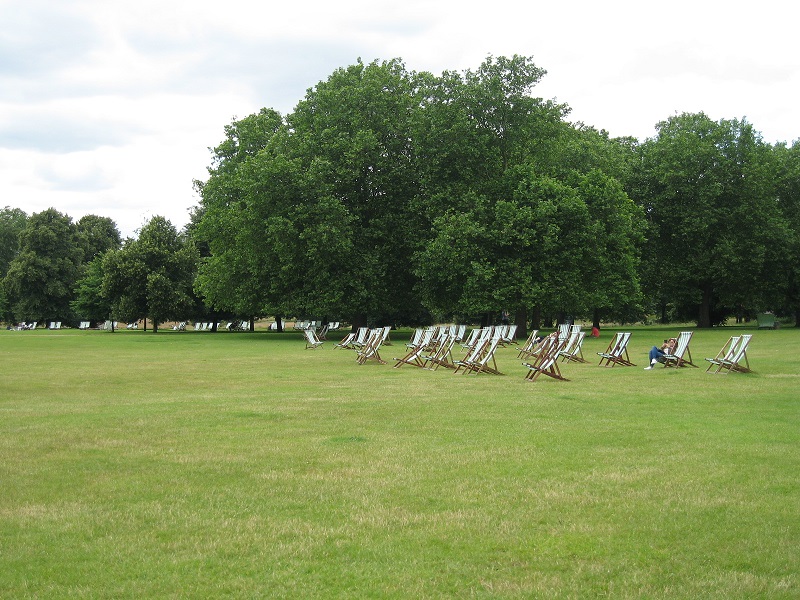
(657, 353)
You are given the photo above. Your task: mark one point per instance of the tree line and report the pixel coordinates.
(395, 197)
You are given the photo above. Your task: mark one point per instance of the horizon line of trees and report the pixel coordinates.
(397, 197)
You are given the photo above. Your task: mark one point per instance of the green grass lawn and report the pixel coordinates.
(201, 465)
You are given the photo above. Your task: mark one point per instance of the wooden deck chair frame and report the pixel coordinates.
(312, 341)
(371, 349)
(573, 351)
(679, 358)
(725, 353)
(415, 356)
(346, 341)
(527, 349)
(443, 354)
(734, 363)
(546, 361)
(617, 351)
(484, 361)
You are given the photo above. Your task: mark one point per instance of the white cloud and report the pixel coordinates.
(108, 108)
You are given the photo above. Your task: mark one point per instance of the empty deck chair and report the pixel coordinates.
(472, 339)
(528, 347)
(483, 361)
(312, 341)
(617, 351)
(725, 353)
(572, 350)
(681, 356)
(370, 350)
(416, 355)
(346, 341)
(738, 360)
(362, 334)
(442, 354)
(546, 361)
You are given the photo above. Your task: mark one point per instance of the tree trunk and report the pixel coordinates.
(536, 318)
(596, 318)
(279, 323)
(521, 321)
(359, 321)
(704, 318)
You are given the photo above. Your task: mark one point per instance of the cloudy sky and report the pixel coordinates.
(109, 107)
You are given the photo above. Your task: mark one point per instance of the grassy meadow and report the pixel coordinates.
(200, 465)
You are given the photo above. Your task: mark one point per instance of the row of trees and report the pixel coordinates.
(390, 196)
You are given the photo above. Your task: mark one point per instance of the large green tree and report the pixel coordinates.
(12, 222)
(786, 270)
(708, 191)
(151, 276)
(40, 279)
(97, 235)
(235, 272)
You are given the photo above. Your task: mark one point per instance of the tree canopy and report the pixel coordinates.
(389, 196)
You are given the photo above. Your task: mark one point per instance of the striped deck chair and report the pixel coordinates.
(528, 348)
(442, 355)
(725, 353)
(546, 361)
(370, 350)
(312, 341)
(416, 355)
(482, 360)
(681, 356)
(734, 363)
(617, 351)
(572, 350)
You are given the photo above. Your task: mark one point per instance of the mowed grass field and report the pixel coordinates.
(200, 465)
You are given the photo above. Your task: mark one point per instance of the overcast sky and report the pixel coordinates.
(109, 107)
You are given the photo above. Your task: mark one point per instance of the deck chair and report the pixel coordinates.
(472, 339)
(546, 361)
(527, 348)
(415, 338)
(617, 351)
(416, 355)
(361, 337)
(735, 361)
(572, 350)
(371, 348)
(442, 355)
(681, 356)
(346, 341)
(509, 334)
(312, 341)
(725, 353)
(482, 362)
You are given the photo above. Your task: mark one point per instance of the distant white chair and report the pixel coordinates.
(312, 341)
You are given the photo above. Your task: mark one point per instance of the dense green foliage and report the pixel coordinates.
(397, 197)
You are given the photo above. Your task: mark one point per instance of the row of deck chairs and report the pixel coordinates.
(544, 354)
(365, 341)
(432, 347)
